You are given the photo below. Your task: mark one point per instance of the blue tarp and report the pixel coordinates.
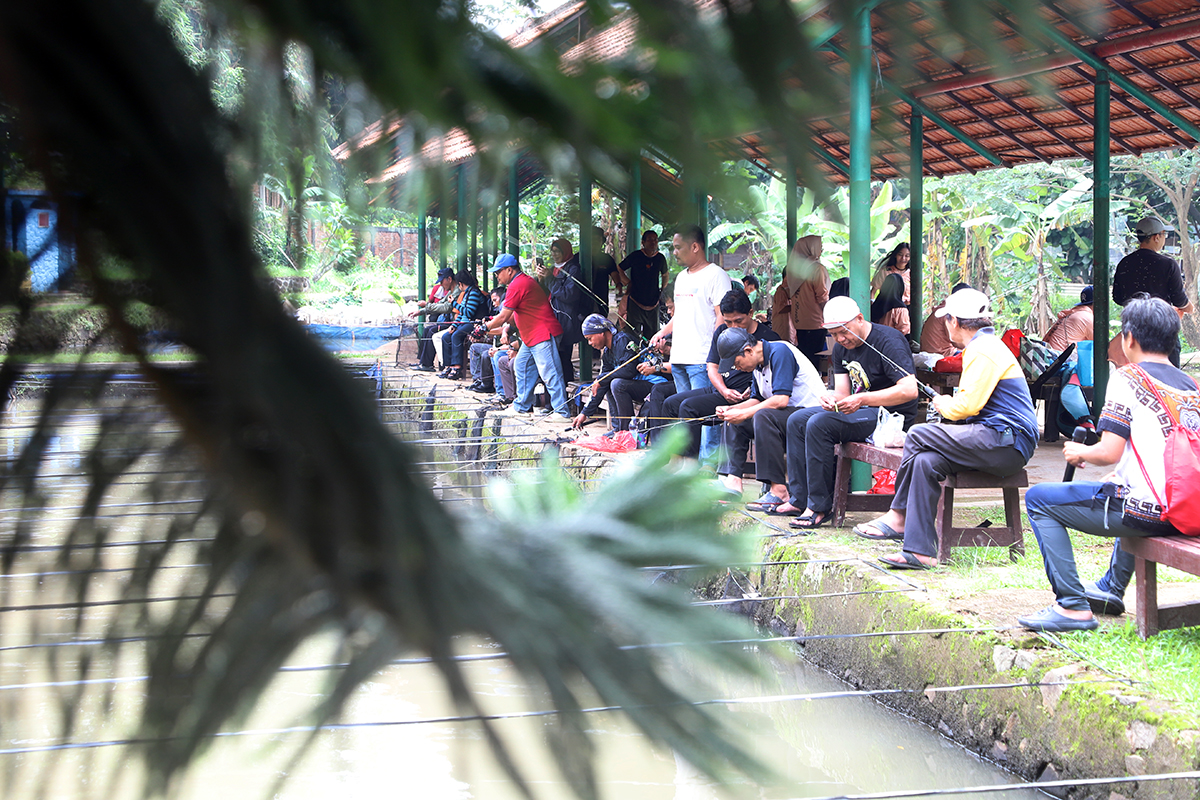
(380, 333)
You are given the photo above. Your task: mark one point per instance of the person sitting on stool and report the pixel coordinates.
(998, 437)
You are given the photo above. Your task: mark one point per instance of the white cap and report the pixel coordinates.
(839, 311)
(967, 304)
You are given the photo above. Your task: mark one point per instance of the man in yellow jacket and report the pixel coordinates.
(998, 437)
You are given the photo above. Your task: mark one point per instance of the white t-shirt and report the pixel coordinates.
(1133, 412)
(696, 296)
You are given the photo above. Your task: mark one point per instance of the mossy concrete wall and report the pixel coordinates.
(1094, 727)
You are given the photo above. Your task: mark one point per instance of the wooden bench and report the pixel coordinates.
(1180, 552)
(1009, 535)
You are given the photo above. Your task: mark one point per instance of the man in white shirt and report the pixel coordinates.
(698, 292)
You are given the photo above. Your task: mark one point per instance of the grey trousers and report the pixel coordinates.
(933, 451)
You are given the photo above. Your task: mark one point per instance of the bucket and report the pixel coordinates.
(1084, 369)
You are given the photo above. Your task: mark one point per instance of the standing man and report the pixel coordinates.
(998, 434)
(698, 292)
(526, 301)
(564, 282)
(645, 274)
(1148, 270)
(872, 368)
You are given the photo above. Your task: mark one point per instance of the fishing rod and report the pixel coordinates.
(579, 392)
(603, 303)
(928, 390)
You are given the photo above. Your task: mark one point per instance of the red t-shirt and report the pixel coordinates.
(531, 308)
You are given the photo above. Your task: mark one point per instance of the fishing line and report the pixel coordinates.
(342, 726)
(1009, 787)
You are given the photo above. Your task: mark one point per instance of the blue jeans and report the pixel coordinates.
(540, 359)
(695, 376)
(1055, 507)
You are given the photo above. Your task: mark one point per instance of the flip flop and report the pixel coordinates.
(807, 522)
(910, 562)
(767, 503)
(775, 512)
(888, 533)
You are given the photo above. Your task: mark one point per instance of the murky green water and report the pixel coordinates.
(391, 749)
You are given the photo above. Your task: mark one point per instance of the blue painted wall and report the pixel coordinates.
(32, 227)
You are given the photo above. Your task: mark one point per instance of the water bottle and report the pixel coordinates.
(639, 435)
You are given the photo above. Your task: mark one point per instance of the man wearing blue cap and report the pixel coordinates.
(527, 302)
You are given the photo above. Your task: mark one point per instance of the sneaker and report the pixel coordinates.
(544, 411)
(513, 411)
(1103, 602)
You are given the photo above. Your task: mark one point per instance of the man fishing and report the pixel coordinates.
(872, 368)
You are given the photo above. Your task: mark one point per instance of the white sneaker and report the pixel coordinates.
(513, 411)
(544, 411)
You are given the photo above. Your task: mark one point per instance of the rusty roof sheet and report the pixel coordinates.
(1036, 104)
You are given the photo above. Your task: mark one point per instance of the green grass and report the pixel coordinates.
(1166, 664)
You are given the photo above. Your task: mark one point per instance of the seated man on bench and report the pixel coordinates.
(998, 437)
(1143, 400)
(784, 382)
(872, 368)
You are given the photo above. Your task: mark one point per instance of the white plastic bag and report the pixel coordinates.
(889, 430)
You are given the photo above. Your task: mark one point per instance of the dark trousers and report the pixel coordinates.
(454, 344)
(931, 452)
(692, 406)
(652, 409)
(425, 349)
(811, 465)
(768, 430)
(811, 343)
(622, 394)
(643, 323)
(568, 366)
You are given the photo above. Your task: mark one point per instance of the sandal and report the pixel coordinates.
(778, 511)
(767, 503)
(885, 531)
(910, 562)
(810, 521)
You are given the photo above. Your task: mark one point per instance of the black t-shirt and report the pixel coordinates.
(1146, 271)
(736, 379)
(645, 276)
(603, 265)
(870, 372)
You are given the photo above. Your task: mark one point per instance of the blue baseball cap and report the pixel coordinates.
(506, 260)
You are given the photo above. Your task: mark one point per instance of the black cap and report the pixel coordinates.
(730, 345)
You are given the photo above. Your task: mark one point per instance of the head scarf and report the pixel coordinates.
(891, 295)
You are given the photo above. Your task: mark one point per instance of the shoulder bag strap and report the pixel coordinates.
(1149, 382)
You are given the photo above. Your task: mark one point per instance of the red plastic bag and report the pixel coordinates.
(949, 364)
(619, 442)
(883, 482)
(1012, 337)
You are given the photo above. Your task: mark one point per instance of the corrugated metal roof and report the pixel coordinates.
(1036, 103)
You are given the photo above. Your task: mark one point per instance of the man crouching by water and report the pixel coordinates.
(999, 436)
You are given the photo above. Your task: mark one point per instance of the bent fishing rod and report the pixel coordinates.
(603, 303)
(929, 392)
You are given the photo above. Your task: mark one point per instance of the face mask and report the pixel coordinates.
(753, 293)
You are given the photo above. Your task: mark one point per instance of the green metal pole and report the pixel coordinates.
(634, 207)
(916, 221)
(443, 233)
(1101, 216)
(461, 222)
(585, 261)
(860, 161)
(514, 212)
(421, 282)
(860, 185)
(702, 211)
(792, 202)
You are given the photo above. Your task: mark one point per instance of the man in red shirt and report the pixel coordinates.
(527, 302)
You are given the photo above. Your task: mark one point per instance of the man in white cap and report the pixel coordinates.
(998, 437)
(872, 368)
(1148, 270)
